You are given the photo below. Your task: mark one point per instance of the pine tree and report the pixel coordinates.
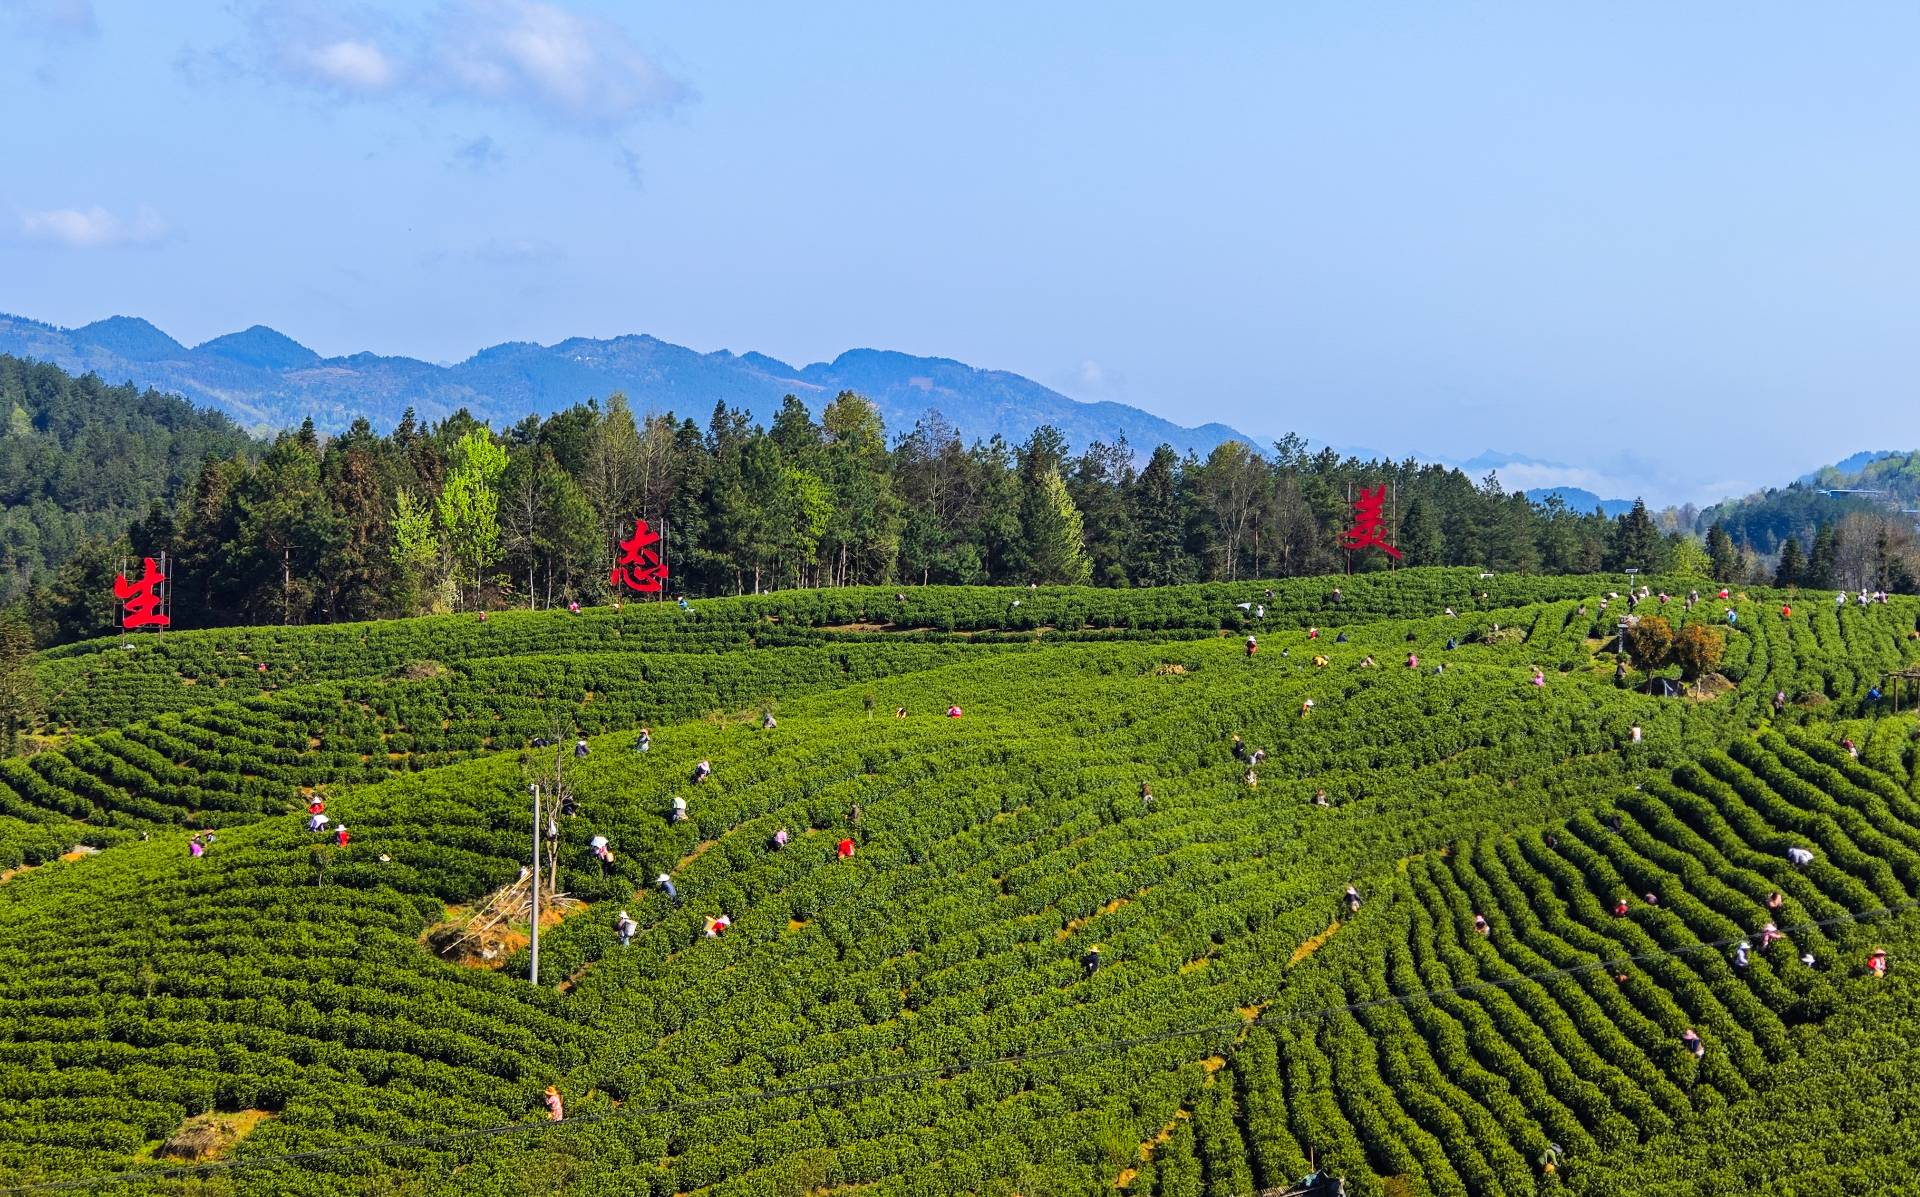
(1824, 560)
(1724, 557)
(1051, 527)
(1420, 542)
(1636, 542)
(19, 684)
(1158, 555)
(861, 541)
(1792, 566)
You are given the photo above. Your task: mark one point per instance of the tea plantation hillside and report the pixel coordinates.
(278, 1017)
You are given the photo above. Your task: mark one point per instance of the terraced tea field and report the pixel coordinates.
(917, 1018)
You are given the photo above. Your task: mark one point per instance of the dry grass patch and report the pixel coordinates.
(1313, 944)
(205, 1137)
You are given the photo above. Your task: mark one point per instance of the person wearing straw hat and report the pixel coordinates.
(1091, 961)
(556, 1112)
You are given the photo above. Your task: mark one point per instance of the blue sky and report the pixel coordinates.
(1674, 245)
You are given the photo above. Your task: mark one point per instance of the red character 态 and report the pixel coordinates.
(142, 598)
(1365, 532)
(640, 568)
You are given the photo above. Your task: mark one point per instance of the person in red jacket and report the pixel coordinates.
(340, 836)
(845, 849)
(1877, 963)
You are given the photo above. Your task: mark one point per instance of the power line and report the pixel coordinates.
(1105, 1046)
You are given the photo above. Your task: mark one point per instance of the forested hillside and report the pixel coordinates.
(1046, 898)
(457, 515)
(80, 459)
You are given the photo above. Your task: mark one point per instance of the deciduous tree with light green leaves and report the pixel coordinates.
(415, 549)
(1689, 559)
(469, 507)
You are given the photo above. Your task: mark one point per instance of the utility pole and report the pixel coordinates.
(533, 958)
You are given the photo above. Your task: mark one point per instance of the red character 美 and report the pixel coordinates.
(1366, 532)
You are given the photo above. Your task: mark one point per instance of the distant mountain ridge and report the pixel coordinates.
(268, 380)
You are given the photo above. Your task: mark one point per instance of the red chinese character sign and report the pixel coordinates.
(639, 567)
(1366, 532)
(143, 597)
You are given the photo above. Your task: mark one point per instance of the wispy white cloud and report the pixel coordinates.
(93, 228)
(567, 68)
(351, 64)
(572, 67)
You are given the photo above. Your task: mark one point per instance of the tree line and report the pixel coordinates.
(459, 516)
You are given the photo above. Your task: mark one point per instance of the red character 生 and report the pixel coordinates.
(142, 598)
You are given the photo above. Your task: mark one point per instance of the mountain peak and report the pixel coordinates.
(261, 346)
(129, 337)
